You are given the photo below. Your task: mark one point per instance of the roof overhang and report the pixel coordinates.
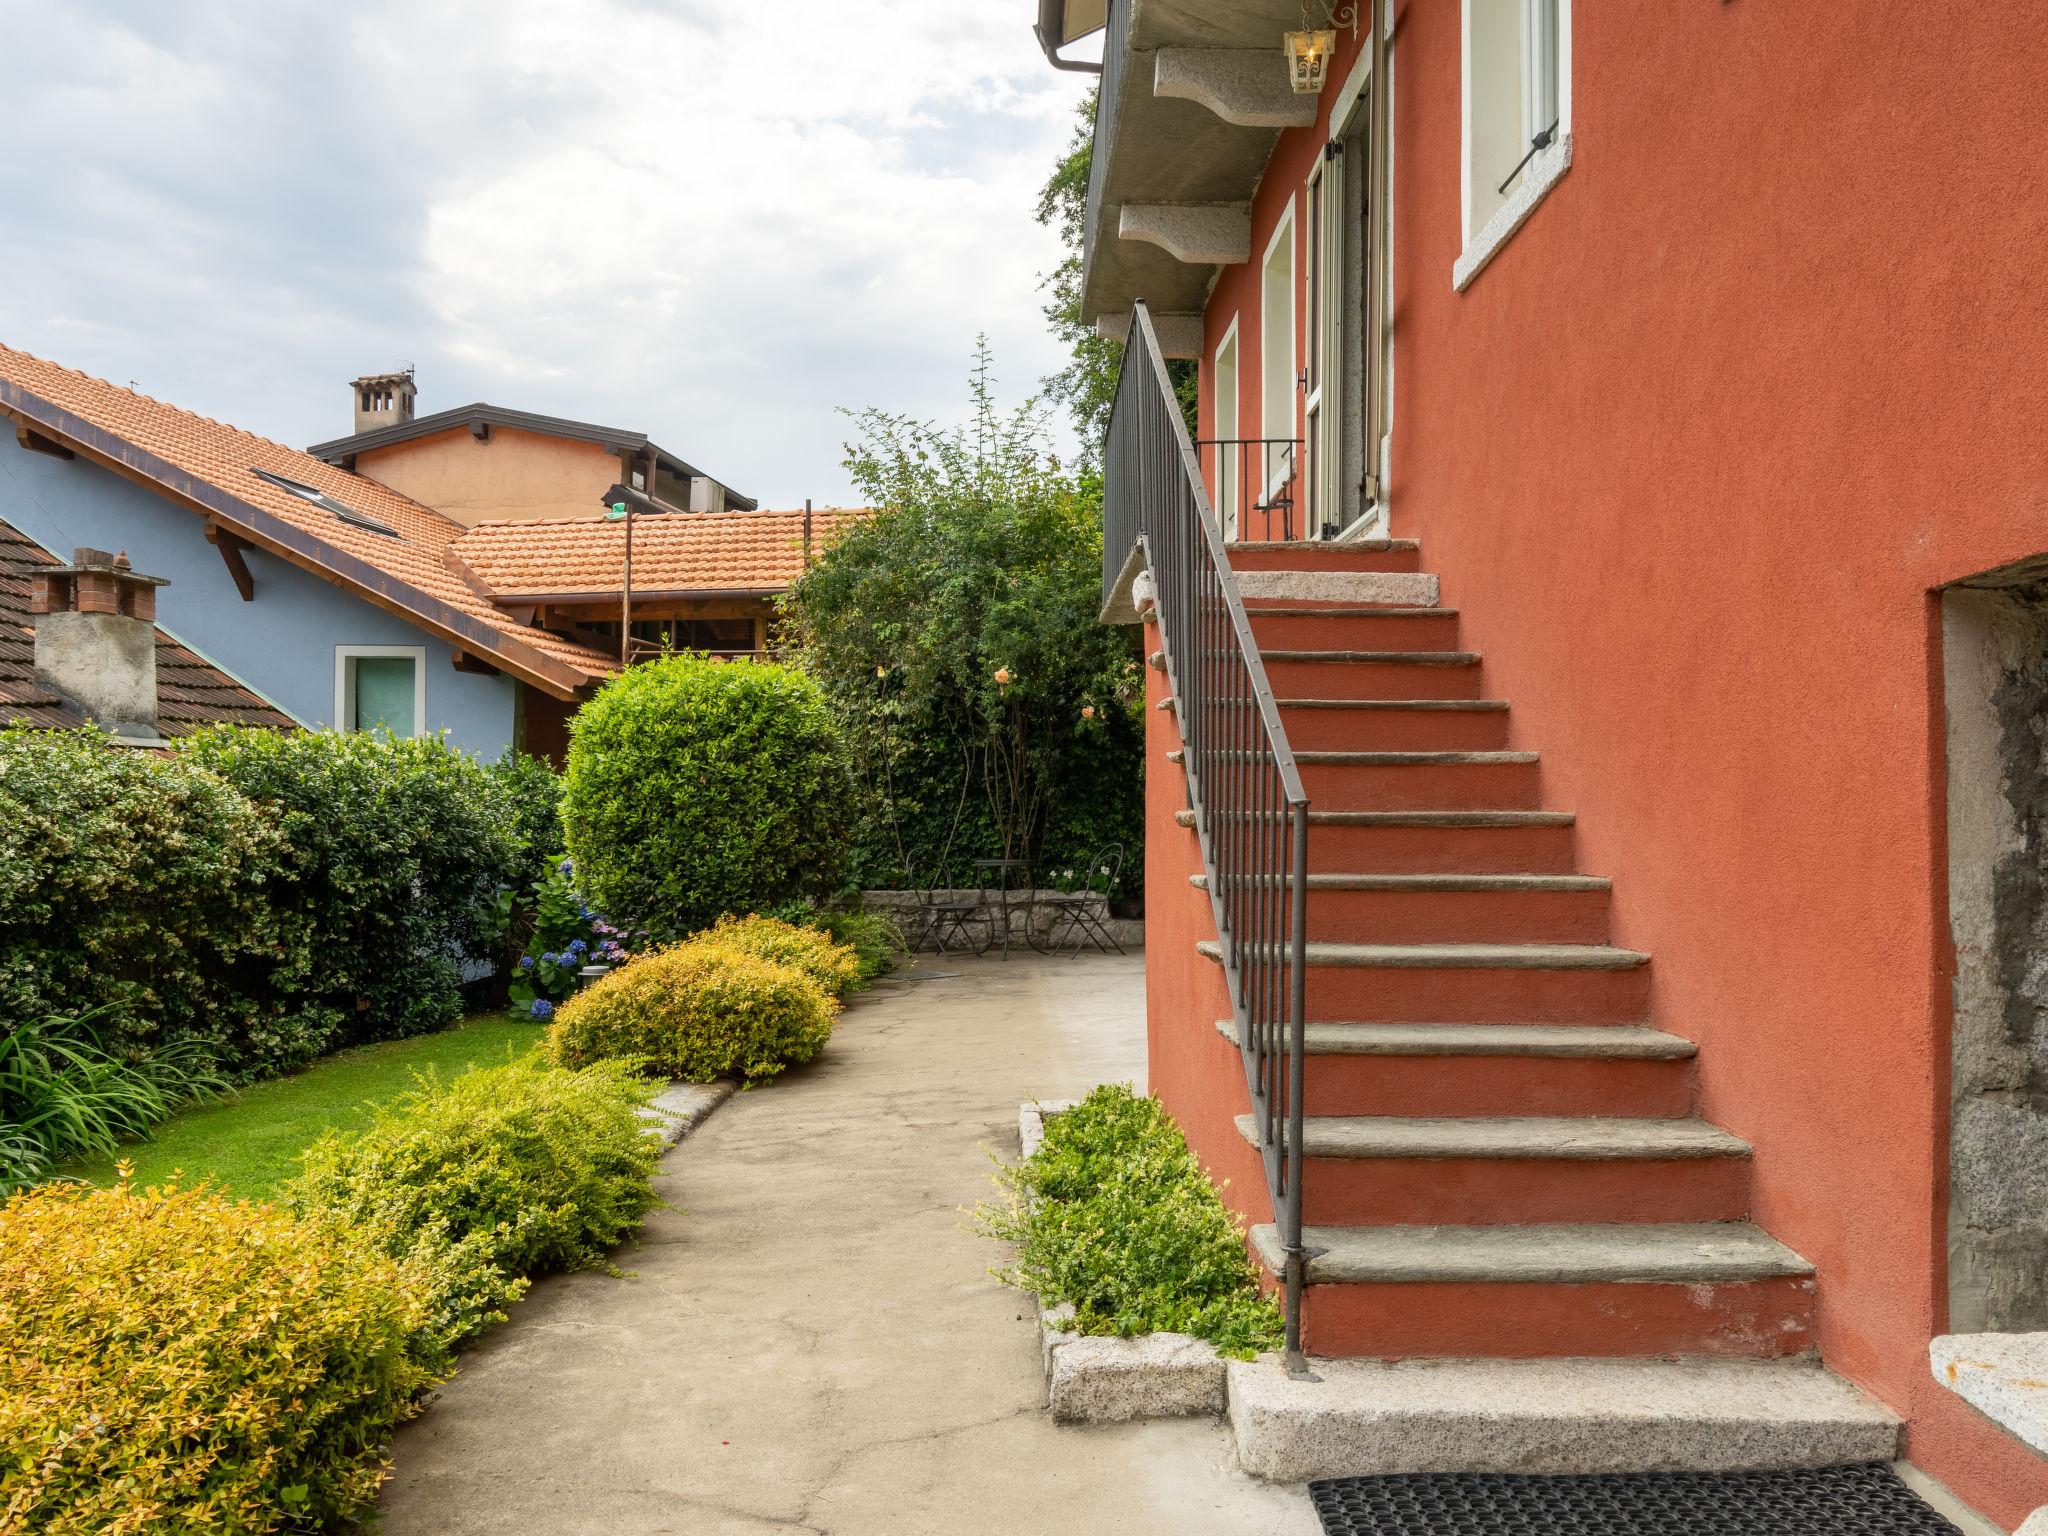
(1194, 95)
(288, 542)
(479, 416)
(1061, 22)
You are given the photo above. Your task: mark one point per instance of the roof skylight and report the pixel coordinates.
(321, 499)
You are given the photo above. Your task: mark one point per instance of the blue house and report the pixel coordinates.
(332, 596)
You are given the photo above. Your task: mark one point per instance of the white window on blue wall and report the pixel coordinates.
(381, 686)
(1517, 124)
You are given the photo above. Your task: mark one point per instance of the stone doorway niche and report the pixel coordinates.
(1995, 686)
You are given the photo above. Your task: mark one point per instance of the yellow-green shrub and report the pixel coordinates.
(497, 1174)
(697, 1011)
(835, 967)
(172, 1361)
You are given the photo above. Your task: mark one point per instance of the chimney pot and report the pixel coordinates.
(95, 639)
(383, 400)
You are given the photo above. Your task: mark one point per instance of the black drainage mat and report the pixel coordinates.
(1864, 1500)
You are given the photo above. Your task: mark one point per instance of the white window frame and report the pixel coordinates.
(1323, 403)
(1544, 170)
(1284, 230)
(344, 682)
(1229, 455)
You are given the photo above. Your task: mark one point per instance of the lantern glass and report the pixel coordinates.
(1308, 60)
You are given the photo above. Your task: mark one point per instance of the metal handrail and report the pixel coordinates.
(1250, 810)
(1252, 483)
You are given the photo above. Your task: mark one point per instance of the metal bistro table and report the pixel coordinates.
(999, 885)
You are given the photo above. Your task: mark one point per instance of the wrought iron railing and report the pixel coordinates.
(1250, 810)
(1252, 484)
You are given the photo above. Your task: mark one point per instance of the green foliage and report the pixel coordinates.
(698, 787)
(874, 937)
(1113, 1214)
(397, 855)
(1088, 382)
(987, 713)
(496, 1175)
(147, 887)
(65, 1093)
(564, 936)
(834, 967)
(696, 1011)
(173, 1362)
(532, 792)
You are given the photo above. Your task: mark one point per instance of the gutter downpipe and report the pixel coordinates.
(1051, 24)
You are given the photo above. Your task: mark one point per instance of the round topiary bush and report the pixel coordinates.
(833, 966)
(699, 787)
(696, 1011)
(174, 1361)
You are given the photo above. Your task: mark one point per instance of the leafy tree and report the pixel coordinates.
(955, 634)
(1087, 385)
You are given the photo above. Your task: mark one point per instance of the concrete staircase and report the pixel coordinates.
(1504, 1166)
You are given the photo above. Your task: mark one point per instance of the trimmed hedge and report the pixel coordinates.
(697, 788)
(696, 1011)
(498, 1174)
(1113, 1214)
(170, 1361)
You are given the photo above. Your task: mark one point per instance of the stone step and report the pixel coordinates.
(1619, 1042)
(1394, 725)
(1365, 1417)
(1454, 1071)
(1436, 842)
(1392, 589)
(1474, 983)
(1420, 909)
(1420, 781)
(1568, 1138)
(1397, 1170)
(1551, 1290)
(1355, 555)
(1388, 675)
(1335, 626)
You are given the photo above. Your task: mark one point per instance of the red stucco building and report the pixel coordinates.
(1653, 395)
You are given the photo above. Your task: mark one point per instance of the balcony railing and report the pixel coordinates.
(1254, 484)
(1250, 811)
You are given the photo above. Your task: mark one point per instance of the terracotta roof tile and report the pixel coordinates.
(673, 552)
(222, 456)
(190, 692)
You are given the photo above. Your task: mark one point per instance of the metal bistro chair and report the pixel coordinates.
(1082, 916)
(938, 918)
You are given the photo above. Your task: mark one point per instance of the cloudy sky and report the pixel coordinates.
(711, 220)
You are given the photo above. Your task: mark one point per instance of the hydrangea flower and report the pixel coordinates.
(526, 962)
(542, 1009)
(579, 946)
(551, 958)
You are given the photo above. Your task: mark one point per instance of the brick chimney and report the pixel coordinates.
(383, 400)
(96, 639)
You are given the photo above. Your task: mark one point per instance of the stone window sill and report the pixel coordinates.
(2004, 1376)
(1543, 173)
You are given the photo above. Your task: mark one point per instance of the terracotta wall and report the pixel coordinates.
(1764, 368)
(509, 474)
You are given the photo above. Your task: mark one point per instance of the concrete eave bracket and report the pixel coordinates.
(1246, 86)
(1179, 335)
(1200, 234)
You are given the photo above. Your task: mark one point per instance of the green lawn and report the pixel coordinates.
(250, 1142)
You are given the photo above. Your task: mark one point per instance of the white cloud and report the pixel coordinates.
(708, 219)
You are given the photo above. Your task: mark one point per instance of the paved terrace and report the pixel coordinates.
(809, 1339)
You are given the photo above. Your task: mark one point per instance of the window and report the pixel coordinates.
(321, 499)
(1223, 428)
(1517, 120)
(381, 685)
(1276, 357)
(1322, 406)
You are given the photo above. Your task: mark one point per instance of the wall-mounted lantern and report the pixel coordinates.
(1308, 50)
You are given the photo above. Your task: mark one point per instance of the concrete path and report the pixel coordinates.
(809, 1340)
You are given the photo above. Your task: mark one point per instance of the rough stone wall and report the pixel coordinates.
(1996, 679)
